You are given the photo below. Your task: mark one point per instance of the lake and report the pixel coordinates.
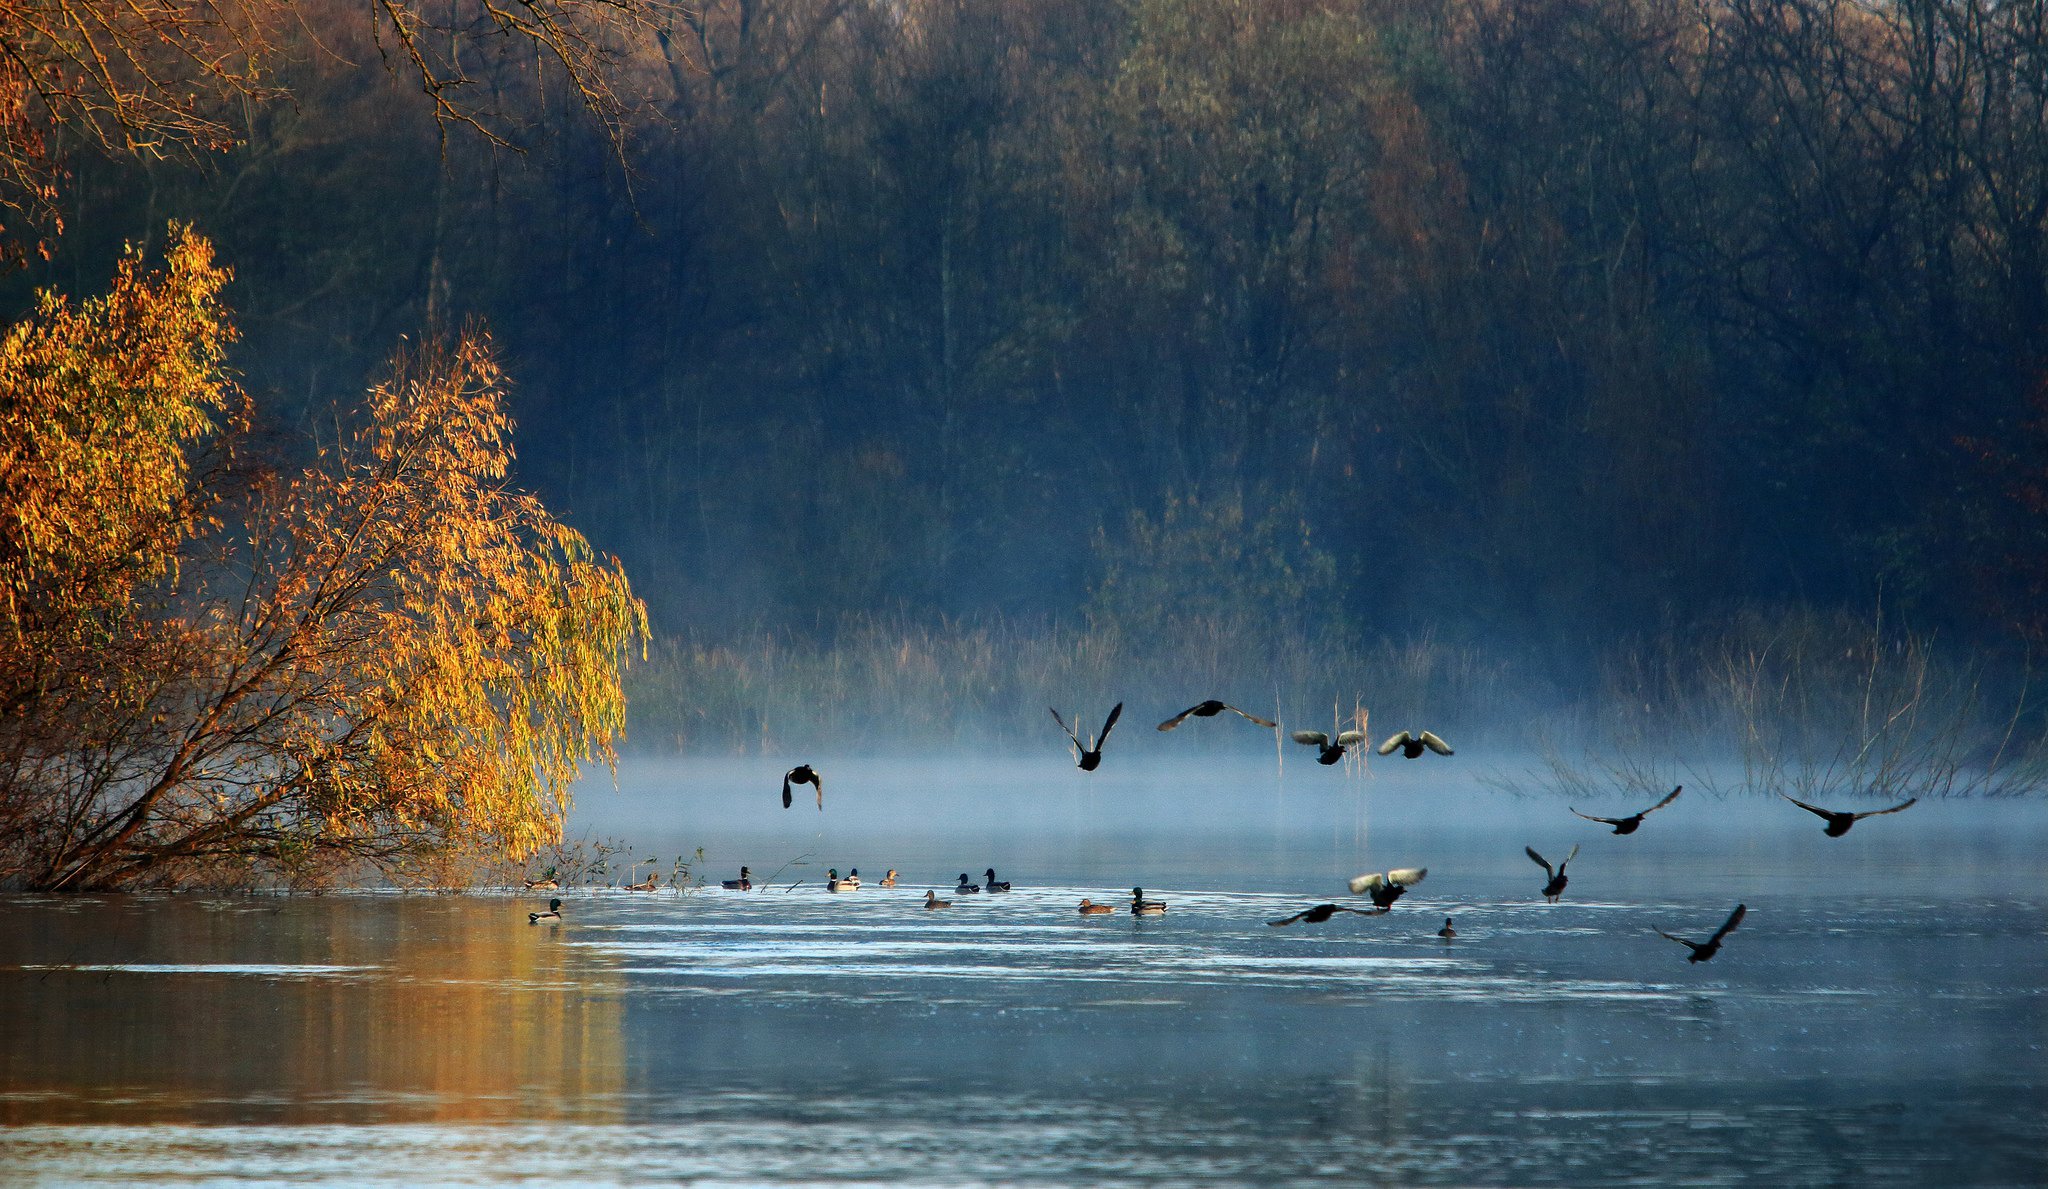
(1879, 1017)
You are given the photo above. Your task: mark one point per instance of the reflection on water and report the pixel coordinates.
(1879, 1018)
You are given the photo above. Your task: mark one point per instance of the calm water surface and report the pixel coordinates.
(1878, 1019)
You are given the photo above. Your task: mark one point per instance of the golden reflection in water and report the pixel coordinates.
(381, 1008)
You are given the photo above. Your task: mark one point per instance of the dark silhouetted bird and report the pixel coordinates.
(1320, 913)
(744, 883)
(1388, 886)
(1447, 932)
(1141, 907)
(992, 883)
(803, 774)
(1838, 823)
(1629, 824)
(1210, 709)
(1703, 950)
(1089, 756)
(1410, 745)
(553, 916)
(965, 888)
(1553, 890)
(1331, 752)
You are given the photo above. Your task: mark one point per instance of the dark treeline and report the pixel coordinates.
(1534, 321)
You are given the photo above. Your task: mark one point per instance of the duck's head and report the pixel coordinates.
(991, 873)
(963, 877)
(555, 905)
(832, 873)
(853, 874)
(1137, 893)
(745, 872)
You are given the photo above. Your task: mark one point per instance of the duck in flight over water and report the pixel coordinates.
(1838, 823)
(1089, 756)
(1629, 824)
(1331, 752)
(1388, 886)
(803, 774)
(1410, 745)
(1704, 950)
(1553, 890)
(1210, 709)
(1321, 913)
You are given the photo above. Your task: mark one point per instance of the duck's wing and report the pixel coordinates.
(1568, 859)
(1881, 812)
(1312, 738)
(1290, 920)
(1674, 937)
(1247, 714)
(818, 782)
(1177, 719)
(1728, 926)
(1668, 799)
(1394, 741)
(1435, 744)
(1611, 821)
(1407, 877)
(1361, 884)
(1347, 738)
(1816, 810)
(785, 790)
(1107, 723)
(1064, 727)
(1540, 860)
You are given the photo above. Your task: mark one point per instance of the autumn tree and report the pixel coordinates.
(383, 658)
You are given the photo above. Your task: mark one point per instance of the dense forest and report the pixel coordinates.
(1532, 329)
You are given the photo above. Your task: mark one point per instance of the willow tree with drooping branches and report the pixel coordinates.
(384, 660)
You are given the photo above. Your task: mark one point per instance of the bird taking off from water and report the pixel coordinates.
(1703, 950)
(1385, 887)
(1089, 756)
(1210, 709)
(1629, 824)
(1319, 914)
(1838, 823)
(803, 774)
(1553, 890)
(1331, 752)
(1410, 745)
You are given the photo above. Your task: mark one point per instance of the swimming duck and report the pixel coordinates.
(743, 884)
(803, 774)
(553, 916)
(1331, 752)
(1629, 824)
(1388, 886)
(1447, 932)
(1090, 908)
(1410, 745)
(853, 876)
(1141, 907)
(1704, 950)
(1838, 823)
(965, 888)
(931, 900)
(1089, 757)
(646, 885)
(993, 884)
(1210, 709)
(1320, 913)
(1553, 889)
(889, 880)
(546, 883)
(835, 884)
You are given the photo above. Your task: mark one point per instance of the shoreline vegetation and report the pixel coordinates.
(1798, 701)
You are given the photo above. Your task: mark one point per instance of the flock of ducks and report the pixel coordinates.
(1382, 888)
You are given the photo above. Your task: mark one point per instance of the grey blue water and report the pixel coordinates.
(1878, 1018)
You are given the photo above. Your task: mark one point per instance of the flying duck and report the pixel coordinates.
(1089, 756)
(1331, 752)
(1210, 709)
(1703, 950)
(1838, 823)
(1410, 745)
(803, 774)
(1387, 887)
(1553, 889)
(553, 916)
(1629, 824)
(1320, 913)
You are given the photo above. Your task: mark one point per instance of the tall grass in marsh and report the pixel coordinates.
(881, 685)
(1806, 703)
